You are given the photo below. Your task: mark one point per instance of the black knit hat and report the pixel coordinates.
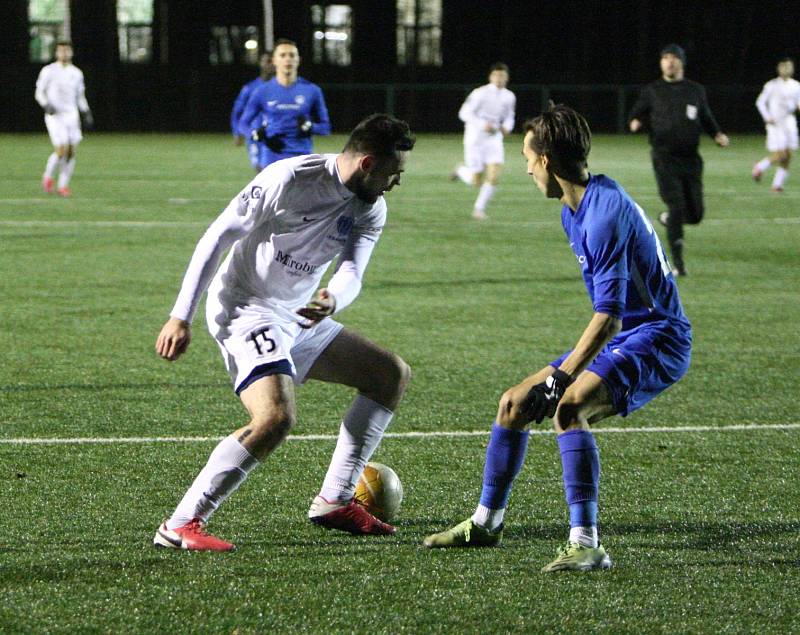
(677, 51)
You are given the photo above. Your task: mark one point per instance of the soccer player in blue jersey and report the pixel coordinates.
(253, 147)
(292, 109)
(636, 345)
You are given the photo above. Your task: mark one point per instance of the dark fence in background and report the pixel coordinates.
(192, 100)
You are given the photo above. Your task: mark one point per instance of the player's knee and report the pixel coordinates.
(273, 423)
(508, 411)
(397, 376)
(570, 411)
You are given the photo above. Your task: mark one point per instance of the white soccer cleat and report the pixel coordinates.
(479, 214)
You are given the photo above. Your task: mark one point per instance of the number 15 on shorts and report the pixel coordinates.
(264, 345)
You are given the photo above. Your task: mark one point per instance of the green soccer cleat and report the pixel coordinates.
(576, 557)
(465, 534)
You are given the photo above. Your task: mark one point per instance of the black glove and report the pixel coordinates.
(259, 134)
(49, 110)
(304, 125)
(88, 119)
(542, 400)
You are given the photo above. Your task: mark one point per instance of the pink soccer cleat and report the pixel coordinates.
(350, 517)
(191, 537)
(48, 185)
(64, 192)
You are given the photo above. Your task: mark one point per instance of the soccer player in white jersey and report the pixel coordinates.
(488, 116)
(777, 103)
(273, 324)
(60, 93)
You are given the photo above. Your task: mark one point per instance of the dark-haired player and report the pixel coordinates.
(290, 109)
(272, 323)
(636, 345)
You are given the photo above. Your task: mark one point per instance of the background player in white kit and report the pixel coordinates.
(488, 116)
(285, 228)
(60, 92)
(777, 103)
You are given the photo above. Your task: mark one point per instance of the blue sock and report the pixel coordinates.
(504, 456)
(580, 461)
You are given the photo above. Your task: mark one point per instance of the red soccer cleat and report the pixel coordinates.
(64, 192)
(192, 537)
(350, 517)
(48, 185)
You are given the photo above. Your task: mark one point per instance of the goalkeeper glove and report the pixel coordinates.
(542, 400)
(304, 125)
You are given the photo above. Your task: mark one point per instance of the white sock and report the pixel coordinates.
(490, 519)
(763, 164)
(780, 177)
(65, 174)
(484, 196)
(52, 162)
(465, 174)
(586, 536)
(360, 433)
(228, 465)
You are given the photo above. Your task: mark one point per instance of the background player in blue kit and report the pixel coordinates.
(637, 344)
(292, 109)
(239, 137)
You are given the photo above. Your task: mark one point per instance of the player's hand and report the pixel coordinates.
(49, 110)
(88, 119)
(274, 143)
(174, 338)
(322, 305)
(769, 122)
(721, 139)
(635, 125)
(542, 400)
(304, 125)
(238, 139)
(490, 127)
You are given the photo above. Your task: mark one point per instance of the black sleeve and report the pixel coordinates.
(641, 109)
(707, 120)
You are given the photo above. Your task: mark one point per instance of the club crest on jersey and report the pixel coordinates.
(255, 192)
(344, 225)
(299, 99)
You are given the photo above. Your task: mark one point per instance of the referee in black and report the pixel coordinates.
(675, 111)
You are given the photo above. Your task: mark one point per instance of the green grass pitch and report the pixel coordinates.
(702, 525)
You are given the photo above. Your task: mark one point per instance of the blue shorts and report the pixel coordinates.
(641, 363)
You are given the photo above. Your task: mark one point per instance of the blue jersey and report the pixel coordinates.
(281, 106)
(239, 105)
(623, 264)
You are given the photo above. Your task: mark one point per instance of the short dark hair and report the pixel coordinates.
(783, 60)
(382, 135)
(283, 40)
(564, 136)
(498, 66)
(63, 43)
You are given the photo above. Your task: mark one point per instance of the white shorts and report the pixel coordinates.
(483, 150)
(64, 128)
(251, 340)
(782, 135)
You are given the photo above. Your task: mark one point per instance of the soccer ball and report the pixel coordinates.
(379, 490)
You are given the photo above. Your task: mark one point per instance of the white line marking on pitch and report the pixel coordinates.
(394, 435)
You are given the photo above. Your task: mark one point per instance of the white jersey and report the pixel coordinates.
(61, 86)
(779, 99)
(488, 104)
(285, 228)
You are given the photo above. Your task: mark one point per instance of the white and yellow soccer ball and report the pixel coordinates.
(379, 490)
